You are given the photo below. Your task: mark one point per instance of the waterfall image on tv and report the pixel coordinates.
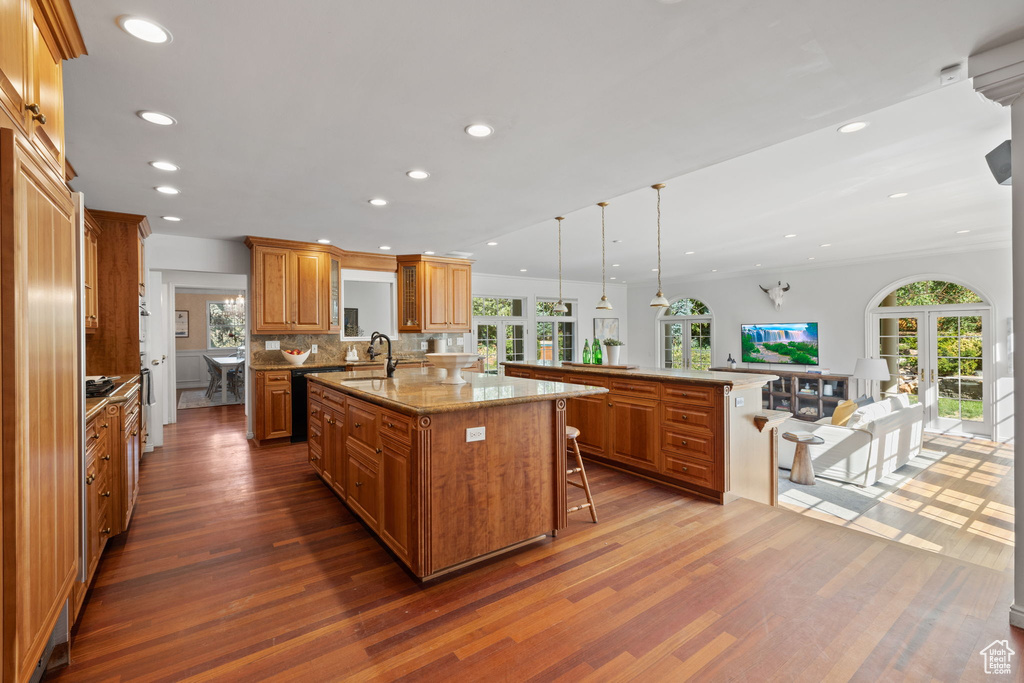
(782, 343)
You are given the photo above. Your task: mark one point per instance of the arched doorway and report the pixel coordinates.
(934, 333)
(684, 335)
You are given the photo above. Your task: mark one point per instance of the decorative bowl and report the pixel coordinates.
(453, 363)
(295, 359)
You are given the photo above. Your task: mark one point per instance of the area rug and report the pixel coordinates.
(196, 398)
(848, 501)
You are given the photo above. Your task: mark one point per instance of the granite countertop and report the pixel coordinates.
(122, 393)
(310, 363)
(735, 379)
(418, 391)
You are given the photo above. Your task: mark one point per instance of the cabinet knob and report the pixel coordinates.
(685, 468)
(391, 425)
(380, 450)
(314, 457)
(92, 317)
(106, 495)
(359, 483)
(90, 479)
(95, 436)
(135, 432)
(37, 115)
(683, 442)
(106, 426)
(105, 457)
(609, 405)
(358, 425)
(684, 416)
(34, 108)
(106, 531)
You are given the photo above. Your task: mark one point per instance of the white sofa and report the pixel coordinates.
(879, 438)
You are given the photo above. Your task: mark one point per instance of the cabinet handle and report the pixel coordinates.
(685, 468)
(37, 115)
(314, 457)
(92, 317)
(684, 416)
(105, 457)
(391, 425)
(359, 483)
(107, 425)
(135, 432)
(106, 495)
(358, 425)
(95, 436)
(380, 450)
(682, 442)
(106, 531)
(34, 108)
(609, 405)
(90, 479)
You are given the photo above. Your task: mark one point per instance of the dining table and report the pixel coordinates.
(227, 364)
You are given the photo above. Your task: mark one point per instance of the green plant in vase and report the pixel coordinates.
(614, 350)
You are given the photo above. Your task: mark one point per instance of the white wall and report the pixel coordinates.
(173, 252)
(584, 294)
(835, 297)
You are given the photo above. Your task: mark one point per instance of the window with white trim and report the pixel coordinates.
(556, 332)
(499, 324)
(225, 323)
(686, 335)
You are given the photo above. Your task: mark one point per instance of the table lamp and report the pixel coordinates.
(871, 369)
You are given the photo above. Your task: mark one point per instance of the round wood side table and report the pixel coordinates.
(803, 470)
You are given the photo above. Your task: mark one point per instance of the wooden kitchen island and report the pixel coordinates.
(691, 429)
(396, 452)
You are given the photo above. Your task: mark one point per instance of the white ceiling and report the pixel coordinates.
(291, 119)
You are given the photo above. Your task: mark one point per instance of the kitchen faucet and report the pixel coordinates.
(376, 337)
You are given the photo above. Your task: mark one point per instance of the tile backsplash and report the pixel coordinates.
(331, 348)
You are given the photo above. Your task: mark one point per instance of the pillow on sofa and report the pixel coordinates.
(864, 400)
(844, 411)
(868, 414)
(900, 401)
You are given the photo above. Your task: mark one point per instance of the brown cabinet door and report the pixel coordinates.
(436, 297)
(334, 450)
(309, 282)
(408, 297)
(14, 76)
(460, 301)
(590, 414)
(395, 499)
(92, 320)
(142, 265)
(277, 409)
(47, 127)
(364, 491)
(633, 434)
(270, 290)
(132, 450)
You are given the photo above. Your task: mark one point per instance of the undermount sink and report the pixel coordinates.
(453, 363)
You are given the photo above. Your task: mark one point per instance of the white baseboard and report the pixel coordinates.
(1017, 616)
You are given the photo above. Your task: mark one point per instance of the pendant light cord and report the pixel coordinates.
(559, 259)
(603, 279)
(658, 190)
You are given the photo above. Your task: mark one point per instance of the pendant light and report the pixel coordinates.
(560, 307)
(659, 301)
(603, 304)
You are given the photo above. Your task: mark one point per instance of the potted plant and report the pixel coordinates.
(614, 347)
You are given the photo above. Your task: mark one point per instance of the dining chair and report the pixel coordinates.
(215, 376)
(236, 381)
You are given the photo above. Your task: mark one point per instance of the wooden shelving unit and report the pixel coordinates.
(808, 395)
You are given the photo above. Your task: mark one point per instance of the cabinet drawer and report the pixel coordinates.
(316, 413)
(547, 376)
(96, 437)
(278, 376)
(316, 455)
(396, 426)
(703, 396)
(688, 469)
(130, 407)
(700, 446)
(362, 421)
(518, 372)
(334, 399)
(585, 380)
(316, 437)
(695, 417)
(316, 389)
(632, 387)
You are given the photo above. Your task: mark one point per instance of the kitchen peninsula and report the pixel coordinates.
(691, 429)
(445, 475)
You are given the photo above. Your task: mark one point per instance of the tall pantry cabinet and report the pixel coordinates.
(39, 333)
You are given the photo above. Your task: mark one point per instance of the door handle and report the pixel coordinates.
(156, 362)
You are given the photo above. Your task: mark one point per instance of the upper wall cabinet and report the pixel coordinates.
(296, 286)
(35, 37)
(434, 294)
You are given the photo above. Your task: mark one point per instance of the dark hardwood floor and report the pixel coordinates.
(239, 565)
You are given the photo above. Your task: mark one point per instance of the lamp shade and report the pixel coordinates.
(871, 368)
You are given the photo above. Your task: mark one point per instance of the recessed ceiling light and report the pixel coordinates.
(144, 29)
(757, 265)
(897, 195)
(377, 201)
(167, 189)
(789, 235)
(384, 247)
(164, 165)
(492, 244)
(428, 253)
(654, 270)
(156, 117)
(173, 219)
(324, 241)
(616, 241)
(853, 126)
(416, 174)
(687, 253)
(479, 130)
(522, 270)
(962, 232)
(810, 258)
(827, 244)
(612, 277)
(615, 265)
(714, 270)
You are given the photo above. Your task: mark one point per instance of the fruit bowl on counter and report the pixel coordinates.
(294, 356)
(453, 363)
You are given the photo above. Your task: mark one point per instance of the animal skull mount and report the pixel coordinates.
(776, 293)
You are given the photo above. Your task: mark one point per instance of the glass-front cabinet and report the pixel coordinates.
(334, 305)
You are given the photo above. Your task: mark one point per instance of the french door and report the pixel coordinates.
(498, 341)
(686, 343)
(937, 357)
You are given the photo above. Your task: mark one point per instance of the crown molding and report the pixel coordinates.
(998, 74)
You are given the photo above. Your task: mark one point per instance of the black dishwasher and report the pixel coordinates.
(299, 408)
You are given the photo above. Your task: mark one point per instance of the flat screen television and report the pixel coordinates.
(795, 343)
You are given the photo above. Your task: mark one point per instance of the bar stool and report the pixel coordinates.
(570, 435)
